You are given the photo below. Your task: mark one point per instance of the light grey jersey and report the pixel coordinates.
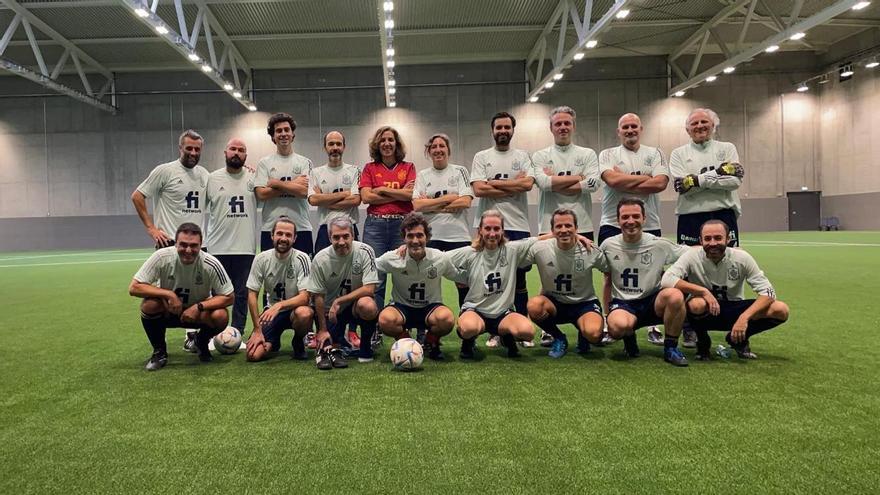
(333, 180)
(716, 192)
(178, 195)
(433, 183)
(725, 279)
(416, 283)
(490, 275)
(232, 213)
(284, 168)
(636, 268)
(491, 164)
(646, 161)
(280, 278)
(192, 283)
(566, 160)
(334, 275)
(566, 276)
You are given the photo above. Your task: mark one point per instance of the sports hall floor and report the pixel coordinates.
(79, 413)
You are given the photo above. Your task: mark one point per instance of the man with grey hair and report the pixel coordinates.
(706, 175)
(567, 174)
(178, 190)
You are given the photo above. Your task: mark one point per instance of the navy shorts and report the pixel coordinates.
(571, 313)
(689, 226)
(730, 312)
(491, 323)
(344, 318)
(447, 245)
(272, 331)
(303, 242)
(643, 309)
(173, 321)
(607, 231)
(415, 317)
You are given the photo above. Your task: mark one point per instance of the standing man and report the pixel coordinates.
(181, 285)
(566, 174)
(178, 192)
(282, 184)
(232, 216)
(631, 170)
(416, 288)
(501, 177)
(567, 295)
(635, 260)
(333, 188)
(341, 281)
(707, 174)
(282, 273)
(714, 278)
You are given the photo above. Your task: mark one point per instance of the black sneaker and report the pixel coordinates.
(433, 351)
(157, 361)
(299, 350)
(583, 345)
(743, 350)
(205, 356)
(704, 356)
(467, 348)
(202, 348)
(631, 346)
(337, 359)
(510, 343)
(322, 360)
(689, 338)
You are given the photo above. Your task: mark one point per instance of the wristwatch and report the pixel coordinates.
(200, 306)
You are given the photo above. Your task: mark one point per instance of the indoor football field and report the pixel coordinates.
(80, 414)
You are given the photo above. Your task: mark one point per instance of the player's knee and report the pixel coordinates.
(470, 325)
(697, 306)
(390, 319)
(779, 311)
(618, 326)
(591, 327)
(674, 298)
(219, 318)
(441, 319)
(536, 309)
(366, 308)
(303, 314)
(152, 307)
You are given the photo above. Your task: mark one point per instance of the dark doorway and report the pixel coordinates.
(804, 210)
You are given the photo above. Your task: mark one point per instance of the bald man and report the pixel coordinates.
(232, 216)
(631, 170)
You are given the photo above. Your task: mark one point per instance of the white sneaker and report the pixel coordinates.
(494, 341)
(211, 346)
(607, 339)
(655, 336)
(527, 343)
(546, 339)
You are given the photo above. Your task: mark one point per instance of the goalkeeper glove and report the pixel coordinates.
(684, 184)
(731, 169)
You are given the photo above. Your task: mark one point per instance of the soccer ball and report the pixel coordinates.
(407, 354)
(228, 341)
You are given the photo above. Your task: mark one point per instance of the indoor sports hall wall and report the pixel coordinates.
(67, 170)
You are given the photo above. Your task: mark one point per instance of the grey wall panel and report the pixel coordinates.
(855, 211)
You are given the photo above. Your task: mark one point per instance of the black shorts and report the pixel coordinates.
(415, 317)
(730, 312)
(273, 330)
(173, 321)
(607, 231)
(448, 245)
(571, 313)
(303, 242)
(643, 309)
(491, 323)
(344, 318)
(689, 226)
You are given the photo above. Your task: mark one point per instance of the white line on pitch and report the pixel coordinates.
(89, 253)
(71, 263)
(808, 243)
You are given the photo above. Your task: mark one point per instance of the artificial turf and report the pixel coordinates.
(79, 413)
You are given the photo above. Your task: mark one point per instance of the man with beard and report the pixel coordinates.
(631, 170)
(232, 213)
(282, 273)
(333, 188)
(567, 294)
(182, 285)
(501, 177)
(635, 259)
(488, 266)
(714, 277)
(416, 288)
(342, 280)
(178, 192)
(566, 174)
(282, 184)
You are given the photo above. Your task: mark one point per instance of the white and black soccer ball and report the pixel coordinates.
(407, 354)
(228, 341)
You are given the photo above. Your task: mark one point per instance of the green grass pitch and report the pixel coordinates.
(79, 413)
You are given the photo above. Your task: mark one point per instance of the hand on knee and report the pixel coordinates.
(697, 306)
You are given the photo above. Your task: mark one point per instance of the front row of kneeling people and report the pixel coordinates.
(653, 282)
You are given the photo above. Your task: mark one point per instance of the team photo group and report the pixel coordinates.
(326, 281)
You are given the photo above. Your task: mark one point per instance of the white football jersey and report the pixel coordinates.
(284, 168)
(333, 180)
(491, 164)
(334, 275)
(716, 192)
(178, 195)
(232, 213)
(192, 283)
(280, 278)
(567, 276)
(725, 279)
(566, 160)
(416, 283)
(636, 268)
(433, 183)
(646, 161)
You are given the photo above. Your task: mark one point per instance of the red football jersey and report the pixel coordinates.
(377, 174)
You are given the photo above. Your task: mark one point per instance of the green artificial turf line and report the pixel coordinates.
(79, 414)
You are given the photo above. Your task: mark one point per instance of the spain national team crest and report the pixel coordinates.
(356, 268)
(647, 258)
(401, 175)
(199, 279)
(649, 160)
(453, 181)
(719, 155)
(290, 273)
(578, 265)
(432, 272)
(346, 180)
(516, 167)
(733, 273)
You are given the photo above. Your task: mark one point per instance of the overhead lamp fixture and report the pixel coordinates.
(533, 99)
(679, 93)
(252, 108)
(227, 87)
(388, 6)
(549, 84)
(206, 68)
(392, 91)
(711, 78)
(389, 23)
(860, 5)
(797, 36)
(728, 70)
(161, 29)
(579, 56)
(771, 48)
(392, 82)
(142, 13)
(823, 79)
(592, 44)
(845, 71)
(803, 87)
(389, 52)
(392, 103)
(557, 77)
(390, 64)
(194, 57)
(236, 94)
(622, 13)
(871, 63)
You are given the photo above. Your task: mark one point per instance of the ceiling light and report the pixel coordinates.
(533, 99)
(161, 29)
(549, 84)
(592, 44)
(389, 23)
(823, 79)
(141, 12)
(846, 71)
(206, 68)
(392, 82)
(711, 78)
(872, 62)
(390, 64)
(392, 91)
(227, 87)
(803, 87)
(392, 103)
(193, 57)
(388, 6)
(579, 56)
(797, 36)
(679, 93)
(557, 77)
(236, 94)
(728, 70)
(389, 52)
(860, 5)
(621, 14)
(252, 107)
(771, 48)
